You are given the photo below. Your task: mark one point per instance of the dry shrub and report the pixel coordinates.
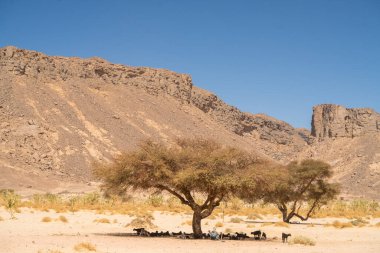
(115, 221)
(143, 221)
(311, 225)
(254, 216)
(266, 224)
(46, 219)
(84, 246)
(338, 224)
(228, 230)
(63, 219)
(102, 220)
(1, 218)
(250, 226)
(377, 225)
(359, 222)
(281, 224)
(188, 222)
(219, 224)
(49, 251)
(302, 240)
(236, 220)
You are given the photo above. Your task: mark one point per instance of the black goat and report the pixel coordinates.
(285, 237)
(256, 234)
(141, 232)
(241, 236)
(263, 236)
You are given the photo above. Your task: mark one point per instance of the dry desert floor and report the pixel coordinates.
(28, 233)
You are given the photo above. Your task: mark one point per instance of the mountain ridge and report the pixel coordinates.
(59, 114)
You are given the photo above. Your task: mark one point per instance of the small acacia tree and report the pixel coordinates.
(301, 189)
(191, 166)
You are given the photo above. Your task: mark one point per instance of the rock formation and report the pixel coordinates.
(58, 115)
(335, 121)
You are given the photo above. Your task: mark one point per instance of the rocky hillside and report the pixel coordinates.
(58, 115)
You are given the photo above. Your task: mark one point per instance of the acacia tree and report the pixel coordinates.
(302, 189)
(191, 166)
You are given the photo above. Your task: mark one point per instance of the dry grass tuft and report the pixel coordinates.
(338, 224)
(143, 220)
(254, 216)
(377, 225)
(236, 220)
(188, 222)
(85, 246)
(228, 230)
(46, 219)
(250, 226)
(281, 224)
(102, 220)
(63, 219)
(302, 240)
(219, 224)
(1, 218)
(49, 251)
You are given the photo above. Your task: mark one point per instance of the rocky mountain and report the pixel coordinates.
(59, 114)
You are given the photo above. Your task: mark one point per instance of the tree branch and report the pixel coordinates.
(181, 198)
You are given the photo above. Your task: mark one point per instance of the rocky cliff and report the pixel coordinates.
(335, 121)
(59, 115)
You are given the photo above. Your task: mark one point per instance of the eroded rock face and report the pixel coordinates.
(334, 121)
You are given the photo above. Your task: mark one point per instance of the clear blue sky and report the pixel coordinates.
(264, 56)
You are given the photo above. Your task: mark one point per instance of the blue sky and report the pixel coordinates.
(270, 56)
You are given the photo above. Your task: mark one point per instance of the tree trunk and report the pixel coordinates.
(197, 230)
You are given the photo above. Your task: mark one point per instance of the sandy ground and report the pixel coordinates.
(28, 233)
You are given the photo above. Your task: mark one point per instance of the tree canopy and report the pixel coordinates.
(301, 188)
(189, 167)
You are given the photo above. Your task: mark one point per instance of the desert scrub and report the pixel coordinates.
(338, 224)
(63, 219)
(228, 230)
(281, 224)
(102, 220)
(10, 200)
(142, 220)
(155, 200)
(46, 219)
(219, 224)
(236, 220)
(254, 216)
(303, 240)
(85, 246)
(188, 222)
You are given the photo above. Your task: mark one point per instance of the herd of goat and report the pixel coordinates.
(257, 235)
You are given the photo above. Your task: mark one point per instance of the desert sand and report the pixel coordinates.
(27, 233)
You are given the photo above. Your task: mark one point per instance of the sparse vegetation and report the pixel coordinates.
(236, 220)
(228, 230)
(302, 240)
(63, 219)
(85, 246)
(338, 224)
(10, 200)
(281, 224)
(219, 224)
(102, 220)
(46, 219)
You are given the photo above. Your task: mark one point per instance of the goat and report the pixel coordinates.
(141, 232)
(263, 236)
(256, 234)
(241, 236)
(285, 237)
(225, 236)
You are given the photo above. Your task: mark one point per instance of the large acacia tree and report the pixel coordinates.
(185, 169)
(300, 188)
